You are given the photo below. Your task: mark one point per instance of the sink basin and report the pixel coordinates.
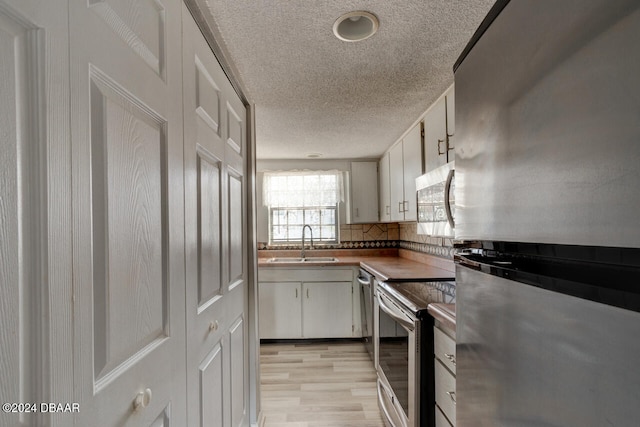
(321, 259)
(303, 260)
(286, 259)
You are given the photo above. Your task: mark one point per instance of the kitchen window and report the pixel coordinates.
(299, 198)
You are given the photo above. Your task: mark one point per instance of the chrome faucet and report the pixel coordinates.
(311, 245)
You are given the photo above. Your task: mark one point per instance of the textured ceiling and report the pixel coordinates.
(316, 94)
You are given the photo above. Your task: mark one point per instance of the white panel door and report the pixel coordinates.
(215, 224)
(127, 183)
(35, 278)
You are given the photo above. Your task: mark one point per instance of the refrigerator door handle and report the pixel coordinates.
(447, 198)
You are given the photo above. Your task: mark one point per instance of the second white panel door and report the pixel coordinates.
(214, 144)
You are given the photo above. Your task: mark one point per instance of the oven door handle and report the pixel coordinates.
(404, 322)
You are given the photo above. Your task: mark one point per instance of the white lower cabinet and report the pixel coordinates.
(327, 310)
(280, 310)
(441, 420)
(445, 380)
(307, 303)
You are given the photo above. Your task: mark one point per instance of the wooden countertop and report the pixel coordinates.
(445, 313)
(397, 268)
(387, 267)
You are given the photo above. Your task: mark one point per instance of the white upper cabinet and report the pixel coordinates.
(439, 127)
(405, 164)
(385, 189)
(364, 192)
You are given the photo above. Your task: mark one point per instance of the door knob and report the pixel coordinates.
(213, 326)
(142, 400)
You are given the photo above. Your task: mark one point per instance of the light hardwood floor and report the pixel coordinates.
(318, 384)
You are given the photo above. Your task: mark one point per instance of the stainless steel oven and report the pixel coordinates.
(404, 342)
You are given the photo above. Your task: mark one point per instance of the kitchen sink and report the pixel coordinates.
(309, 259)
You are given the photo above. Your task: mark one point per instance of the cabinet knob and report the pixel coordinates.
(451, 357)
(142, 399)
(213, 326)
(452, 395)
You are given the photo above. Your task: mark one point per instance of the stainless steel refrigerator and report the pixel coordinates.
(548, 205)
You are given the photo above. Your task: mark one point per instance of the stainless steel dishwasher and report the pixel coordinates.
(366, 309)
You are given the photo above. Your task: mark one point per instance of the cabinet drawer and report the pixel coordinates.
(445, 349)
(445, 391)
(441, 420)
(309, 274)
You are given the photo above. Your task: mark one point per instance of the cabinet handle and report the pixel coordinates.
(440, 141)
(400, 207)
(307, 293)
(357, 213)
(449, 146)
(388, 210)
(296, 293)
(142, 399)
(404, 208)
(451, 357)
(452, 395)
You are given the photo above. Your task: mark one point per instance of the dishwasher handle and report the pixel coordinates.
(364, 280)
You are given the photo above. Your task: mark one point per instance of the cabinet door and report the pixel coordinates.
(445, 390)
(412, 168)
(280, 309)
(364, 192)
(435, 136)
(451, 123)
(441, 420)
(385, 196)
(327, 310)
(396, 182)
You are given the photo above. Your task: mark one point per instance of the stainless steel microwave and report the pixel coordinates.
(436, 201)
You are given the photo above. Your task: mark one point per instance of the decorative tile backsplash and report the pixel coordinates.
(391, 235)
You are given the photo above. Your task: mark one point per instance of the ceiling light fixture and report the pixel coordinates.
(355, 26)
(314, 155)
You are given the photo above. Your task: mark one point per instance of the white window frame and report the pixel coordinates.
(318, 228)
(297, 204)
